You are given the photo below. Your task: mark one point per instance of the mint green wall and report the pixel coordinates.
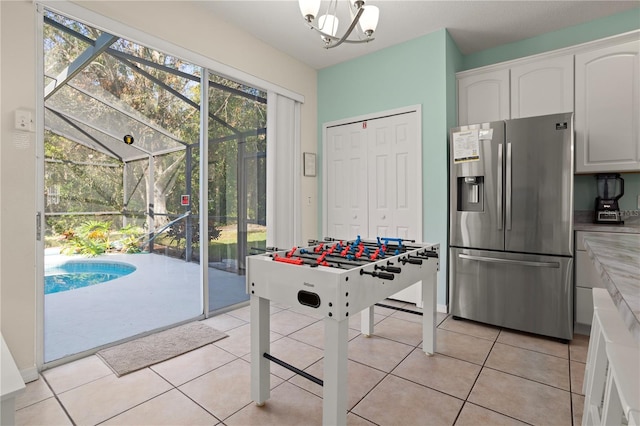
(422, 71)
(594, 30)
(585, 192)
(454, 64)
(414, 72)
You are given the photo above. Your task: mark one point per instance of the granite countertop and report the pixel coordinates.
(626, 228)
(583, 221)
(617, 259)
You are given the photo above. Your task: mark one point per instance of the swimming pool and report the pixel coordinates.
(77, 274)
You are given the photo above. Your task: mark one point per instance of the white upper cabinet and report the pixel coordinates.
(483, 97)
(542, 87)
(607, 115)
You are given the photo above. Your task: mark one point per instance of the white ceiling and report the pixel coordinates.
(475, 25)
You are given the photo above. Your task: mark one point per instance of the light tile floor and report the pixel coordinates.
(481, 375)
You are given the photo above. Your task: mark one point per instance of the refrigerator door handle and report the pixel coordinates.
(508, 189)
(509, 261)
(499, 197)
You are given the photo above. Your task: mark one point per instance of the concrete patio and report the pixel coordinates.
(161, 292)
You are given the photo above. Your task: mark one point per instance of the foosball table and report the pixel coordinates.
(336, 279)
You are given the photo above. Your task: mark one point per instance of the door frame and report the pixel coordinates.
(99, 21)
(368, 117)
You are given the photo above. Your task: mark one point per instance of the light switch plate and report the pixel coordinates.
(23, 120)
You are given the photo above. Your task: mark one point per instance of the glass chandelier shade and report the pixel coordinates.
(369, 19)
(328, 24)
(309, 9)
(365, 17)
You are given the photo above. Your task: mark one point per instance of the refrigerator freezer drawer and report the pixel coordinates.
(529, 293)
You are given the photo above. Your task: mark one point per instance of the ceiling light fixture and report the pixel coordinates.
(327, 24)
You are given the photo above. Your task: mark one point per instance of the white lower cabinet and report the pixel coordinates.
(586, 278)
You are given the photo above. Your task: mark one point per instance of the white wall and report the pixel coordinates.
(17, 191)
(180, 23)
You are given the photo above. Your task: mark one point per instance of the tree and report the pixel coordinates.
(132, 89)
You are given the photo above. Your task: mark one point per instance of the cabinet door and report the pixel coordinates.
(542, 87)
(584, 305)
(483, 97)
(607, 109)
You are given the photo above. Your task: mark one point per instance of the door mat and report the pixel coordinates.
(145, 351)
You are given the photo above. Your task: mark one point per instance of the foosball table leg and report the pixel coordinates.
(260, 366)
(334, 390)
(366, 321)
(429, 298)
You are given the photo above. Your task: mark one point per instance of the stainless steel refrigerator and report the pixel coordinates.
(511, 222)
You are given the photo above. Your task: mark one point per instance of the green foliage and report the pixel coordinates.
(130, 239)
(131, 230)
(228, 247)
(130, 245)
(57, 225)
(92, 238)
(81, 180)
(177, 233)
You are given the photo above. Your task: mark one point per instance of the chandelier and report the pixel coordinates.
(327, 24)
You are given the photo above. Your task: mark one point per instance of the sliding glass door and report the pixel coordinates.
(236, 186)
(122, 182)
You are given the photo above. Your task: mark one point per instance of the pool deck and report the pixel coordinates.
(161, 292)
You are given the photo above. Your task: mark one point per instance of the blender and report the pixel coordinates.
(610, 189)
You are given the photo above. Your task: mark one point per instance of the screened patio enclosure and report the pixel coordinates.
(124, 128)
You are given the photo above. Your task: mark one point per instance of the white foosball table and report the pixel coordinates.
(337, 279)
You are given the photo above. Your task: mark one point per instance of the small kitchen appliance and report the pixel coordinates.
(610, 189)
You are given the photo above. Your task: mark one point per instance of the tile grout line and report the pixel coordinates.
(198, 404)
(466, 399)
(386, 375)
(55, 395)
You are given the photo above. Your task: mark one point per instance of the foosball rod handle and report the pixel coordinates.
(392, 269)
(411, 260)
(381, 275)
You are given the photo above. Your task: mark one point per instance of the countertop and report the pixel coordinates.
(626, 228)
(583, 221)
(12, 383)
(617, 259)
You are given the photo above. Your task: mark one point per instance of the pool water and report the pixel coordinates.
(78, 274)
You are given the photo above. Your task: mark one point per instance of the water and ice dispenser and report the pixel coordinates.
(470, 193)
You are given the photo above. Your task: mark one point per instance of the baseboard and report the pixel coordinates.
(29, 374)
(442, 308)
(584, 329)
